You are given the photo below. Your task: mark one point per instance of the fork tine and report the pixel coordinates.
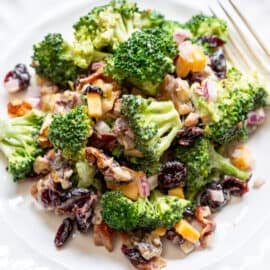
(235, 50)
(256, 56)
(251, 29)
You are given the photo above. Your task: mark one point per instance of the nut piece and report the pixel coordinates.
(191, 120)
(43, 139)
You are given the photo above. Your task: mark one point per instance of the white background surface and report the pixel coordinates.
(15, 17)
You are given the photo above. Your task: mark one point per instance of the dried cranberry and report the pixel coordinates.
(17, 79)
(76, 197)
(133, 255)
(50, 198)
(187, 136)
(93, 89)
(218, 63)
(214, 196)
(188, 213)
(84, 214)
(172, 174)
(64, 232)
(212, 41)
(235, 186)
(105, 141)
(176, 238)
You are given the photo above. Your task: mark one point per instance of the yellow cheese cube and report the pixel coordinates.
(187, 231)
(159, 231)
(178, 192)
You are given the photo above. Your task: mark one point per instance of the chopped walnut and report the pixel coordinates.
(203, 216)
(43, 139)
(103, 236)
(110, 168)
(60, 102)
(191, 120)
(178, 91)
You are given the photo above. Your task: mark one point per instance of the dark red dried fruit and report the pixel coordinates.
(214, 196)
(84, 214)
(17, 79)
(188, 213)
(74, 197)
(133, 255)
(104, 141)
(64, 232)
(235, 186)
(176, 238)
(50, 198)
(212, 41)
(187, 136)
(172, 174)
(218, 63)
(93, 89)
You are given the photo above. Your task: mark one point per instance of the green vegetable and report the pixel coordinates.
(110, 25)
(203, 25)
(121, 213)
(202, 162)
(170, 26)
(143, 60)
(69, 132)
(154, 123)
(18, 142)
(237, 96)
(118, 151)
(150, 166)
(169, 208)
(60, 62)
(86, 173)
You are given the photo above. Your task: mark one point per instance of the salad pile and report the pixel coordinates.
(139, 129)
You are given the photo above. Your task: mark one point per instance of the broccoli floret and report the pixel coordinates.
(203, 25)
(51, 62)
(202, 162)
(69, 132)
(237, 96)
(18, 142)
(121, 213)
(154, 123)
(149, 166)
(170, 26)
(143, 60)
(110, 25)
(85, 173)
(169, 208)
(60, 62)
(118, 151)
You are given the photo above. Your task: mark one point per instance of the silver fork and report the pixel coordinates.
(240, 50)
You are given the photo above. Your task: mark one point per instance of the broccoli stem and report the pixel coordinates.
(224, 165)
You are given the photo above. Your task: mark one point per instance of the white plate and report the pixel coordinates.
(36, 228)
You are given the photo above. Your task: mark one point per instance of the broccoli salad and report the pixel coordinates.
(139, 130)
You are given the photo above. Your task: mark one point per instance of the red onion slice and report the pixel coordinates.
(216, 195)
(208, 90)
(180, 35)
(102, 128)
(12, 85)
(144, 188)
(34, 101)
(256, 118)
